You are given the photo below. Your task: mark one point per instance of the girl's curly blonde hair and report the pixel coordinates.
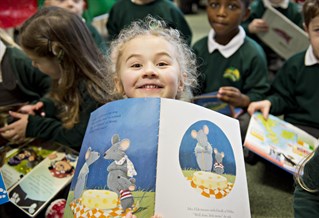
(152, 26)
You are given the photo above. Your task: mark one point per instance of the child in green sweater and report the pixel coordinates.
(295, 95)
(230, 63)
(60, 45)
(124, 12)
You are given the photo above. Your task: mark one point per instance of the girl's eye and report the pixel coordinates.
(136, 65)
(161, 64)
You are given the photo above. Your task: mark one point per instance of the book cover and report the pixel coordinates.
(36, 172)
(152, 155)
(210, 101)
(283, 36)
(279, 141)
(3, 191)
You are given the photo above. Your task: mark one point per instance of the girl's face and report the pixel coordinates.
(225, 17)
(313, 33)
(148, 67)
(75, 6)
(49, 66)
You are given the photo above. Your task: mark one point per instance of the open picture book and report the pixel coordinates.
(279, 141)
(163, 156)
(34, 173)
(3, 191)
(283, 36)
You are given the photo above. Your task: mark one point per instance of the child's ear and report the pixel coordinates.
(118, 86)
(246, 15)
(181, 84)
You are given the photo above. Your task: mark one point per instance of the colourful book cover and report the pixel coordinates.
(279, 141)
(3, 191)
(164, 156)
(210, 101)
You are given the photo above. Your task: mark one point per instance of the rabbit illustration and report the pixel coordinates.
(203, 149)
(121, 166)
(218, 165)
(90, 157)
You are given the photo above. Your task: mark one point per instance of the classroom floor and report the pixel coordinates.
(270, 188)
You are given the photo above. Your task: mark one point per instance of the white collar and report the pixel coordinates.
(231, 47)
(284, 4)
(2, 50)
(310, 58)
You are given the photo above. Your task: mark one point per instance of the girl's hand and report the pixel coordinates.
(263, 106)
(15, 132)
(33, 109)
(233, 96)
(258, 26)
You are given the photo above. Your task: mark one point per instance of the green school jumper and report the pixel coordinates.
(246, 69)
(21, 81)
(124, 12)
(50, 127)
(100, 42)
(295, 92)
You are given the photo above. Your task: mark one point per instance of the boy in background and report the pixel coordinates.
(230, 62)
(124, 12)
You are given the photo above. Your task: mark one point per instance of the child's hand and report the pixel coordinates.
(33, 109)
(258, 26)
(15, 132)
(263, 106)
(233, 96)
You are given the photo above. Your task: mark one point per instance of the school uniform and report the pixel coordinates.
(100, 42)
(50, 127)
(241, 64)
(124, 12)
(295, 90)
(306, 204)
(19, 81)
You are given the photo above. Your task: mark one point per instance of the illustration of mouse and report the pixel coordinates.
(90, 157)
(203, 149)
(121, 165)
(218, 165)
(125, 187)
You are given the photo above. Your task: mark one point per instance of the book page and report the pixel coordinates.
(284, 37)
(45, 180)
(116, 171)
(279, 141)
(200, 171)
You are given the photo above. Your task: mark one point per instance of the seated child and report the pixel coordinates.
(149, 59)
(229, 61)
(123, 12)
(77, 7)
(60, 45)
(255, 24)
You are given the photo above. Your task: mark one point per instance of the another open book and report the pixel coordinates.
(34, 173)
(283, 36)
(279, 141)
(164, 156)
(3, 191)
(210, 101)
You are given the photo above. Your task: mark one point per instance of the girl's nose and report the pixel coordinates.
(150, 71)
